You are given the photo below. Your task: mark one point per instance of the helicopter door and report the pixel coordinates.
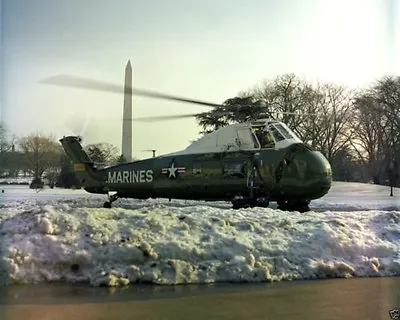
(235, 170)
(205, 176)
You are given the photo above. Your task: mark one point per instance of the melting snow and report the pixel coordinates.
(65, 235)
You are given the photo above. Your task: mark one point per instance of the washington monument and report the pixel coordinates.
(127, 115)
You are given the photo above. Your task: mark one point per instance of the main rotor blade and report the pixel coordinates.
(171, 117)
(183, 116)
(293, 113)
(83, 83)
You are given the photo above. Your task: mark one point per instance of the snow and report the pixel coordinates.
(66, 235)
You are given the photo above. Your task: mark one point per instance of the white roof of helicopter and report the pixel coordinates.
(239, 137)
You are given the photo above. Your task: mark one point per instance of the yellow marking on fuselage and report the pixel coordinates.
(79, 167)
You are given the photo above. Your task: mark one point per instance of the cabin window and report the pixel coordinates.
(246, 139)
(233, 168)
(196, 169)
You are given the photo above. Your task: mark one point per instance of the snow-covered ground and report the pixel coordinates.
(66, 235)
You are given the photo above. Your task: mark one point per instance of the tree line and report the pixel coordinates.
(40, 156)
(358, 131)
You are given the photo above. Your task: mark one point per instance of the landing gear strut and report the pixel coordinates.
(111, 199)
(252, 200)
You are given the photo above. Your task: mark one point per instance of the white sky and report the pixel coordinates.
(209, 50)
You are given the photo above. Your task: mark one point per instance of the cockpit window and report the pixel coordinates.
(255, 140)
(275, 132)
(283, 130)
(294, 136)
(264, 137)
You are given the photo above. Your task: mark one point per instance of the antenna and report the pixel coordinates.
(151, 150)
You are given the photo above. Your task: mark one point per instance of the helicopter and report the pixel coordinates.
(249, 164)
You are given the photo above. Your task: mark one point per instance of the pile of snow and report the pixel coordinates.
(71, 238)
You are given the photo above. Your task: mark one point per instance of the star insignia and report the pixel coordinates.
(172, 170)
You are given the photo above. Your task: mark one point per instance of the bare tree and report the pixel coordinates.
(3, 147)
(387, 96)
(7, 142)
(41, 153)
(289, 99)
(4, 141)
(300, 105)
(335, 116)
(369, 135)
(377, 138)
(319, 115)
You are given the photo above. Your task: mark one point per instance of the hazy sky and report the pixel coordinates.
(206, 49)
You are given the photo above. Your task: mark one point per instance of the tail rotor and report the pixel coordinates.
(78, 124)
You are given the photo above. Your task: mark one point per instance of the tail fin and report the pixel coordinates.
(91, 178)
(74, 150)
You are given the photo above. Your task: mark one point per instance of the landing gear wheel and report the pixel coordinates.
(107, 205)
(303, 206)
(294, 205)
(240, 204)
(282, 205)
(111, 199)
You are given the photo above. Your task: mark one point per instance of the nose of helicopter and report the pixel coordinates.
(319, 174)
(307, 176)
